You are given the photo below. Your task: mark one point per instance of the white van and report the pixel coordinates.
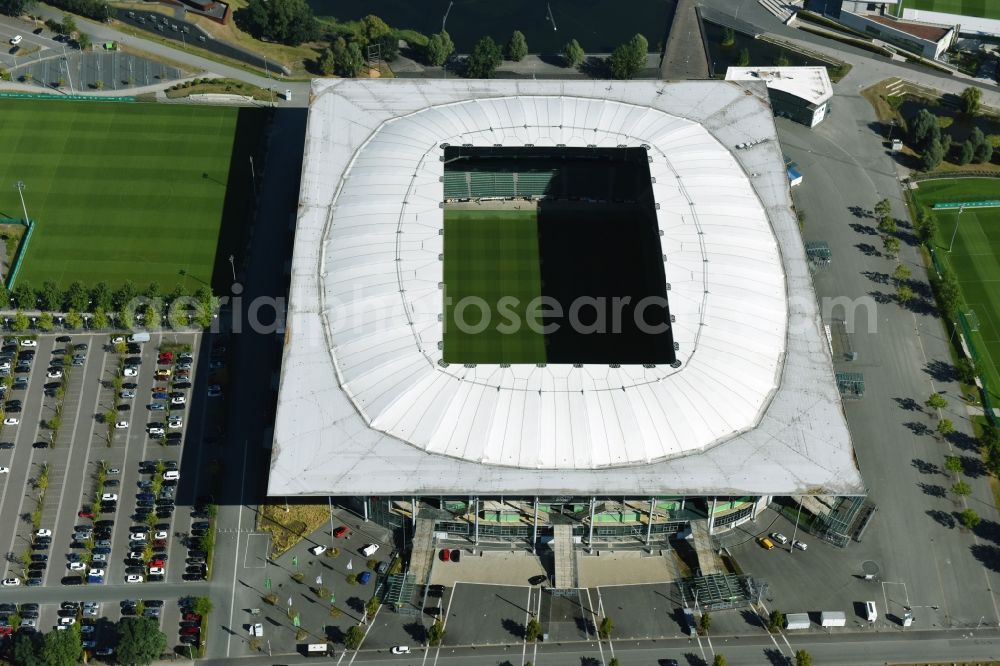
(870, 611)
(141, 336)
(369, 550)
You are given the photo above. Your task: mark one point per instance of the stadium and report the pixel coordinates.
(678, 373)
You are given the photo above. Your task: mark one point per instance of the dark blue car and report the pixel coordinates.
(364, 577)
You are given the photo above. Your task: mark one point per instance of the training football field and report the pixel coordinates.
(118, 191)
(977, 8)
(489, 256)
(975, 257)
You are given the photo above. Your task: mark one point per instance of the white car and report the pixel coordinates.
(16, 39)
(109, 497)
(43, 533)
(97, 573)
(779, 537)
(54, 374)
(369, 550)
(128, 394)
(798, 544)
(11, 582)
(5, 365)
(76, 566)
(175, 423)
(317, 550)
(4, 470)
(117, 339)
(160, 535)
(121, 425)
(184, 365)
(154, 571)
(137, 536)
(114, 470)
(134, 578)
(67, 621)
(171, 475)
(156, 432)
(29, 343)
(257, 629)
(131, 371)
(10, 420)
(401, 649)
(135, 554)
(179, 400)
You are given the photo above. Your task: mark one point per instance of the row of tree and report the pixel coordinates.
(935, 146)
(80, 298)
(140, 642)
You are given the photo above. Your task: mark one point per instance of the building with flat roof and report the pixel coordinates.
(745, 407)
(800, 93)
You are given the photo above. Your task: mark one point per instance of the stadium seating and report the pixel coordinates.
(456, 185)
(534, 183)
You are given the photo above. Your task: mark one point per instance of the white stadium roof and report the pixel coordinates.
(365, 407)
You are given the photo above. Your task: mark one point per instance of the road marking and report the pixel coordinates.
(239, 523)
(770, 635)
(527, 618)
(246, 551)
(593, 614)
(370, 626)
(444, 623)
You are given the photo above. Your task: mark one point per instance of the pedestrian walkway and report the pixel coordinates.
(685, 56)
(565, 561)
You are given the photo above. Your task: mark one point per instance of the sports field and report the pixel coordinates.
(118, 191)
(490, 255)
(975, 257)
(979, 8)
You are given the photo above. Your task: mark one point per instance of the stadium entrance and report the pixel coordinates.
(552, 255)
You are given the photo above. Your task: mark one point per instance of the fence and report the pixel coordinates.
(22, 248)
(72, 98)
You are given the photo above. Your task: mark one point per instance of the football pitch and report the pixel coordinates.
(489, 256)
(975, 258)
(118, 191)
(977, 8)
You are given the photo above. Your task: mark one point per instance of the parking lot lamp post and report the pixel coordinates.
(232, 264)
(791, 548)
(534, 531)
(649, 528)
(20, 191)
(590, 535)
(950, 245)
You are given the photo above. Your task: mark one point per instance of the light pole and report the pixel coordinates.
(20, 191)
(953, 234)
(233, 265)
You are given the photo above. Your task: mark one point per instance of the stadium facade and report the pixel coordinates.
(370, 411)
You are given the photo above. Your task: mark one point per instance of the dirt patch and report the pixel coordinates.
(287, 528)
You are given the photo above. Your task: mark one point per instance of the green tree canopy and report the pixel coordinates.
(485, 59)
(27, 649)
(68, 25)
(16, 7)
(45, 322)
(436, 633)
(517, 47)
(373, 28)
(936, 401)
(744, 58)
(970, 100)
(77, 297)
(966, 153)
(52, 296)
(932, 156)
(20, 322)
(140, 641)
(573, 53)
(925, 128)
(353, 637)
(62, 648)
(24, 295)
(803, 658)
(629, 58)
(439, 49)
(286, 21)
(970, 519)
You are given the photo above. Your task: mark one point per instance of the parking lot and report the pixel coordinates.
(103, 430)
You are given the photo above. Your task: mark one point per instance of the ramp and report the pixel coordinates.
(565, 557)
(707, 560)
(422, 554)
(684, 56)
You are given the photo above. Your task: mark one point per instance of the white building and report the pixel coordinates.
(800, 93)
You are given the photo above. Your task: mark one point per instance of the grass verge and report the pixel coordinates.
(291, 527)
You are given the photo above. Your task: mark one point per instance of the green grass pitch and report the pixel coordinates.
(977, 8)
(975, 257)
(118, 191)
(490, 255)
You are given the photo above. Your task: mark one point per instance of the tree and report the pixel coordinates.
(970, 519)
(484, 60)
(77, 298)
(439, 48)
(946, 289)
(532, 630)
(901, 273)
(24, 296)
(140, 640)
(719, 660)
(51, 297)
(925, 128)
(953, 464)
(27, 648)
(983, 152)
(388, 47)
(883, 208)
(353, 637)
(436, 633)
(705, 623)
(372, 606)
(970, 100)
(945, 427)
(961, 489)
(573, 54)
(348, 58)
(925, 225)
(629, 58)
(325, 63)
(83, 41)
(966, 153)
(932, 156)
(16, 7)
(935, 401)
(782, 60)
(890, 244)
(101, 297)
(517, 47)
(73, 320)
(100, 318)
(45, 322)
(965, 368)
(20, 322)
(606, 627)
(290, 22)
(373, 28)
(775, 621)
(887, 224)
(744, 58)
(124, 295)
(803, 658)
(728, 37)
(68, 25)
(62, 648)
(202, 606)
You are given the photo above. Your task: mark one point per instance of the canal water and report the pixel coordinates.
(599, 25)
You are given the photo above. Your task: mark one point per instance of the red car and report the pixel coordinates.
(85, 514)
(445, 554)
(166, 356)
(192, 617)
(190, 631)
(340, 531)
(6, 630)
(156, 563)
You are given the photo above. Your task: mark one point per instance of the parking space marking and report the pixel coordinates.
(369, 624)
(239, 523)
(593, 615)
(771, 636)
(527, 618)
(263, 552)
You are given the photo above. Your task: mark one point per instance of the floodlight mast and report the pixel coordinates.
(20, 191)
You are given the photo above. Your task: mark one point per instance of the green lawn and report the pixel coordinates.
(975, 257)
(118, 191)
(979, 8)
(489, 255)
